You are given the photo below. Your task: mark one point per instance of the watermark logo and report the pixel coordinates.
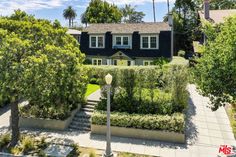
(227, 150)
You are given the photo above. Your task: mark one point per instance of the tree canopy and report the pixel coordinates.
(130, 15)
(216, 70)
(101, 12)
(40, 63)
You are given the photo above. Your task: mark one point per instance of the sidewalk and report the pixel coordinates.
(206, 131)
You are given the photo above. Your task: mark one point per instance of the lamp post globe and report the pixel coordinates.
(108, 79)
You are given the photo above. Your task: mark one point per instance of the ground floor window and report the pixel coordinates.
(129, 63)
(147, 63)
(114, 62)
(96, 61)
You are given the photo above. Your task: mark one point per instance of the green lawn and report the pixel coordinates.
(179, 61)
(91, 88)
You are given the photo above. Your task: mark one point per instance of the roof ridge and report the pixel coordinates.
(126, 23)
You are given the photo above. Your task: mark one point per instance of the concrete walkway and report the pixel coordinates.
(95, 96)
(206, 131)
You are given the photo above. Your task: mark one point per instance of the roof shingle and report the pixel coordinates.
(127, 28)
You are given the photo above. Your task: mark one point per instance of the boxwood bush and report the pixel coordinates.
(174, 122)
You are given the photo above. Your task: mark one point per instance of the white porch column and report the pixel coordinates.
(109, 62)
(132, 63)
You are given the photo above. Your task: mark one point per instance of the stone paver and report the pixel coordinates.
(205, 132)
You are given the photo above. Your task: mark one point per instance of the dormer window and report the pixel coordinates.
(149, 42)
(122, 41)
(97, 41)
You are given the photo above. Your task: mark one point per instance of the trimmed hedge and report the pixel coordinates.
(175, 122)
(144, 89)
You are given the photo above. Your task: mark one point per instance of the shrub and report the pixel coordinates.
(4, 140)
(174, 122)
(94, 81)
(161, 61)
(15, 150)
(87, 61)
(178, 84)
(75, 151)
(53, 112)
(181, 53)
(27, 144)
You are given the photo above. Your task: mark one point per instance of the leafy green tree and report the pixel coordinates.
(186, 24)
(130, 15)
(84, 19)
(42, 64)
(70, 14)
(219, 4)
(56, 24)
(216, 71)
(102, 12)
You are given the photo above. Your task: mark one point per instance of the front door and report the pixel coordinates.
(122, 62)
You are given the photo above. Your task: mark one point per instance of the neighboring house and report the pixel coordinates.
(217, 16)
(213, 16)
(126, 44)
(75, 33)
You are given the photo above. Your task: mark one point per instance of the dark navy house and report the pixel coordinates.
(126, 44)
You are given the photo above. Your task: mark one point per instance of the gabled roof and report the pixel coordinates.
(218, 16)
(127, 28)
(73, 32)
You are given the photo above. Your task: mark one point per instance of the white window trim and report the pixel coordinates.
(122, 38)
(97, 59)
(149, 42)
(96, 36)
(149, 62)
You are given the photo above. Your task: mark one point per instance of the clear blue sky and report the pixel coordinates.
(53, 9)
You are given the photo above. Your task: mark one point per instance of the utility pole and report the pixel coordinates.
(154, 10)
(168, 6)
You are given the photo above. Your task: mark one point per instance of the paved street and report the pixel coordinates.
(206, 131)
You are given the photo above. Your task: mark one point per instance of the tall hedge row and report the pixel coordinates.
(144, 90)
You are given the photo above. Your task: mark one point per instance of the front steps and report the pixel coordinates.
(82, 119)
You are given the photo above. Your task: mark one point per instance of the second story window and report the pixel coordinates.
(120, 41)
(97, 41)
(149, 42)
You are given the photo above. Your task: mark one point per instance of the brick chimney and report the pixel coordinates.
(206, 9)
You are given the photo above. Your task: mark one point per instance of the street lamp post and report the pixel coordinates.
(171, 24)
(108, 153)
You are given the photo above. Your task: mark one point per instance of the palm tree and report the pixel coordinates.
(70, 14)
